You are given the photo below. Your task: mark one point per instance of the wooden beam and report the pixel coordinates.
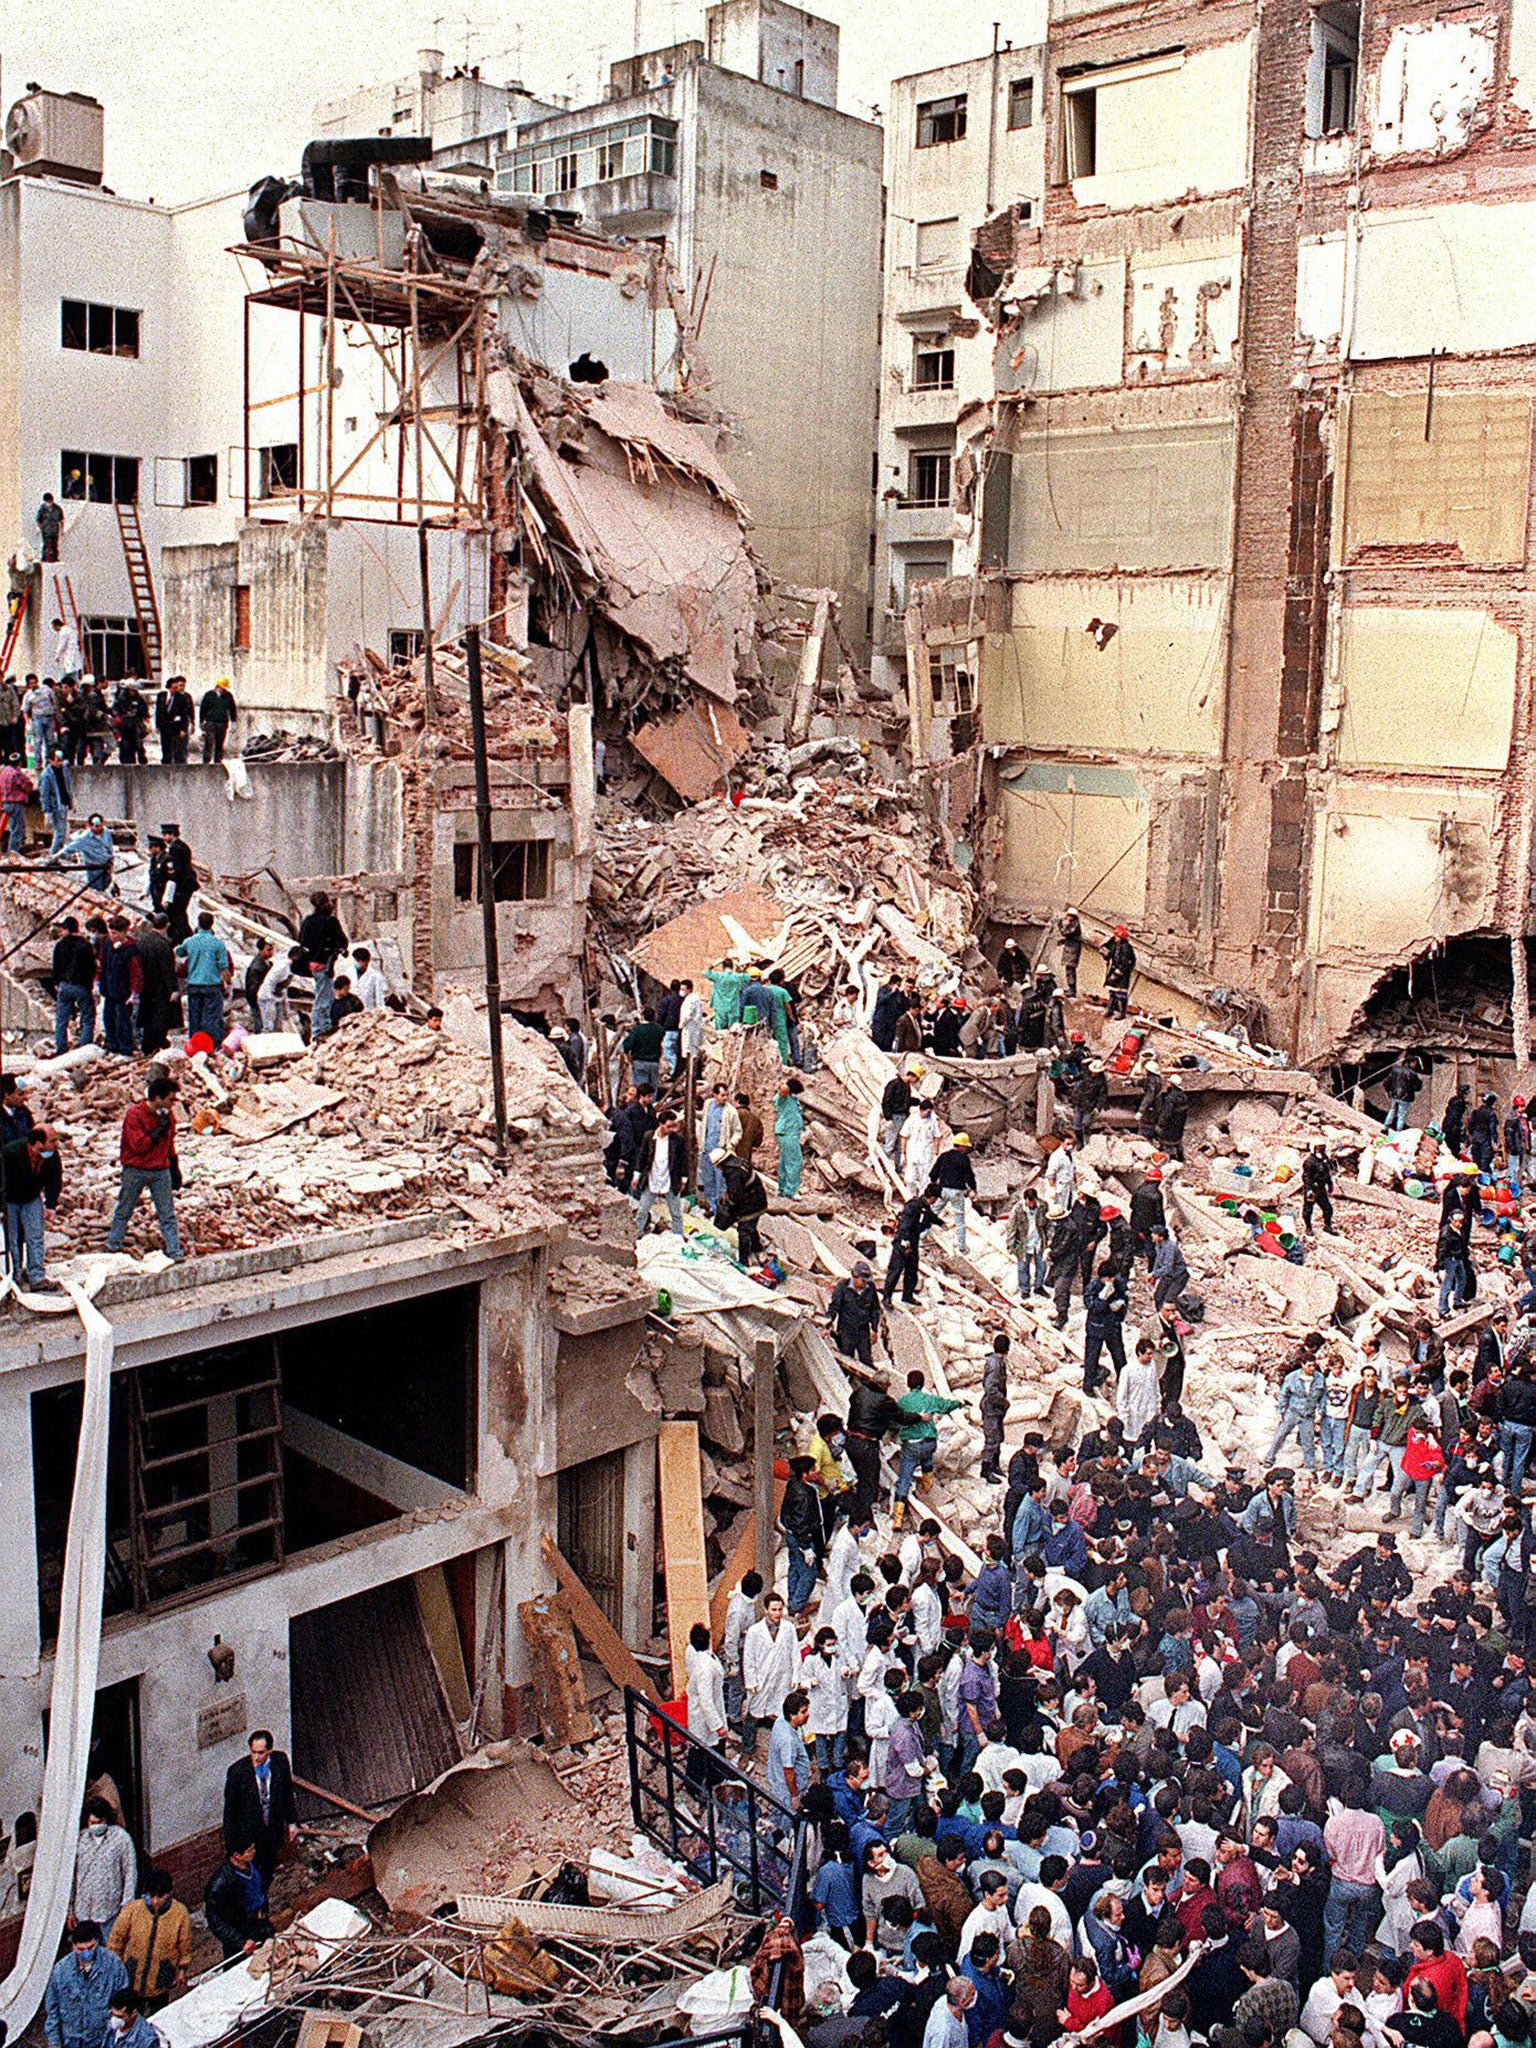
(764, 1372)
(609, 1647)
(557, 1685)
(682, 1540)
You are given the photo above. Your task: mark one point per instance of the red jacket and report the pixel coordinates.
(1448, 1974)
(149, 1136)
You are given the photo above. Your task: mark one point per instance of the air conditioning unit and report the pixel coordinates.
(57, 135)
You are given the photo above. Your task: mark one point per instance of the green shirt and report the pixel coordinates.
(922, 1407)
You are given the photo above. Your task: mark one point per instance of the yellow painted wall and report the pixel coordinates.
(1155, 687)
(1173, 132)
(1465, 486)
(1064, 847)
(1425, 689)
(1396, 868)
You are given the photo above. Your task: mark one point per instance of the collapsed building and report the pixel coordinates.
(1250, 641)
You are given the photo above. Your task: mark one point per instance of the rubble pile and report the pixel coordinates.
(390, 704)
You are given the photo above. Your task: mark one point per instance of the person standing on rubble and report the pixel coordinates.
(1026, 1244)
(121, 980)
(1013, 965)
(271, 997)
(1089, 1097)
(743, 1198)
(872, 1414)
(690, 1022)
(1172, 1116)
(33, 1177)
(96, 852)
(16, 792)
(149, 1164)
(1069, 947)
(895, 1107)
(643, 1046)
(1403, 1085)
(1147, 1214)
(181, 880)
(55, 796)
(751, 1129)
(707, 1721)
(770, 1659)
(661, 1171)
(853, 1314)
(719, 1129)
(1119, 967)
(1317, 1187)
(789, 1131)
(74, 984)
(1517, 1139)
(209, 970)
(324, 942)
(174, 717)
(915, 1216)
(668, 1014)
(920, 1146)
(216, 714)
(257, 970)
(159, 996)
(1483, 1132)
(954, 1177)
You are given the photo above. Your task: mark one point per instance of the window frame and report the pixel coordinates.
(942, 460)
(942, 120)
(1021, 90)
(103, 330)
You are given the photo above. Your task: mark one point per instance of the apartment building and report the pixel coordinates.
(962, 143)
(464, 116)
(1254, 659)
(732, 150)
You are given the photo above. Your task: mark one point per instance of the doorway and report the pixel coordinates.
(115, 1767)
(590, 1518)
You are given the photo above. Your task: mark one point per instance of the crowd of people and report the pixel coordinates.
(129, 1939)
(74, 718)
(1159, 1758)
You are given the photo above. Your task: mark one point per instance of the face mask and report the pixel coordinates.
(118, 2026)
(97, 1828)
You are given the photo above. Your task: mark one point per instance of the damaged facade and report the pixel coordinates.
(1254, 657)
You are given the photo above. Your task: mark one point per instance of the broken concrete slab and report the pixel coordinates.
(1311, 1294)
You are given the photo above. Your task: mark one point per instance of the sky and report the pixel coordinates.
(205, 95)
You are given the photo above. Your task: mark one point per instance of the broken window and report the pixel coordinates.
(278, 469)
(521, 870)
(112, 647)
(1021, 103)
(1079, 131)
(1332, 68)
(936, 242)
(941, 120)
(202, 479)
(928, 476)
(98, 330)
(933, 366)
(950, 678)
(101, 479)
(406, 643)
(769, 180)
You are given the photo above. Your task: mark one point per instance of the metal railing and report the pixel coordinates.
(706, 1814)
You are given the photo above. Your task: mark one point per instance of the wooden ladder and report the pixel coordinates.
(18, 613)
(142, 583)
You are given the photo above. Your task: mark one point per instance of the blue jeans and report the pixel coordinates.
(205, 1012)
(1419, 1488)
(711, 1184)
(671, 1049)
(15, 827)
(648, 1200)
(644, 1073)
(1331, 1434)
(1397, 1120)
(1516, 1440)
(899, 1817)
(59, 820)
(829, 1751)
(915, 1458)
(156, 1182)
(42, 738)
(1453, 1286)
(1372, 1452)
(325, 996)
(1304, 1429)
(1032, 1272)
(1350, 1915)
(802, 1575)
(73, 999)
(118, 1030)
(24, 1240)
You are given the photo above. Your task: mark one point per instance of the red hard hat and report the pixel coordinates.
(1121, 932)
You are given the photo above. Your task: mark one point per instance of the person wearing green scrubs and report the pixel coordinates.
(788, 1128)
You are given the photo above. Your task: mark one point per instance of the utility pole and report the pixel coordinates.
(483, 862)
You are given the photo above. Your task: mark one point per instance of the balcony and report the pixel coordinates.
(643, 204)
(906, 521)
(920, 290)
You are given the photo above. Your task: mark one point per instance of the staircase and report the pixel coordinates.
(142, 584)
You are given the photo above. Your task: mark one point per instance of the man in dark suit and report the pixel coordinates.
(258, 1804)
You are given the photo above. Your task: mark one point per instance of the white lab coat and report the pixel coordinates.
(706, 1697)
(920, 1148)
(770, 1666)
(852, 1624)
(842, 1563)
(690, 1024)
(1138, 1398)
(1061, 1180)
(370, 987)
(739, 1611)
(927, 1617)
(822, 1678)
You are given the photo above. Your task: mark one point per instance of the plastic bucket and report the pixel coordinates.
(749, 1013)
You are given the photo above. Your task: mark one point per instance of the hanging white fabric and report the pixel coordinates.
(74, 1680)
